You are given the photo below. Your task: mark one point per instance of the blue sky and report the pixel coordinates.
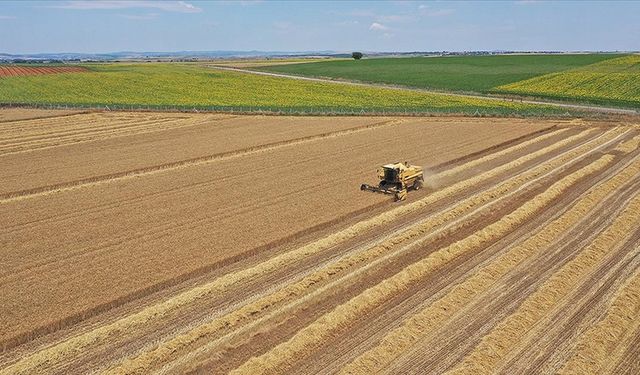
(109, 26)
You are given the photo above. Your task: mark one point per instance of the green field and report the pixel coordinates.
(610, 82)
(453, 73)
(163, 85)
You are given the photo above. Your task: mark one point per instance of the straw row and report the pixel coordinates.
(292, 291)
(76, 345)
(596, 345)
(306, 340)
(427, 321)
(488, 355)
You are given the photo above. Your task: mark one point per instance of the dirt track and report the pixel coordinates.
(131, 247)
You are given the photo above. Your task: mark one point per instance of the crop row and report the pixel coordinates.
(305, 340)
(488, 355)
(435, 315)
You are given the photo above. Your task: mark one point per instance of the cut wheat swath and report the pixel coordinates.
(596, 345)
(280, 358)
(333, 270)
(428, 320)
(487, 357)
(75, 345)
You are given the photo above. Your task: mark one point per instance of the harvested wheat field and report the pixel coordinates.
(210, 243)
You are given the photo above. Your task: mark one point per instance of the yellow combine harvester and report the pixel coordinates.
(396, 179)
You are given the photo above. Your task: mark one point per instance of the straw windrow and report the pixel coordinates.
(284, 355)
(425, 322)
(487, 357)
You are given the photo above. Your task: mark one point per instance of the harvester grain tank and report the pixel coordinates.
(396, 179)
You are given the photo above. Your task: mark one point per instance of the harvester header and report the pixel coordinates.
(396, 179)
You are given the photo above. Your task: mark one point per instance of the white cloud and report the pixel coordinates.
(378, 27)
(167, 6)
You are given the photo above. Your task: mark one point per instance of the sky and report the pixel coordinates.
(166, 26)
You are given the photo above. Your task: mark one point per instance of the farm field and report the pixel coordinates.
(614, 81)
(449, 73)
(606, 79)
(23, 70)
(146, 242)
(192, 87)
(249, 63)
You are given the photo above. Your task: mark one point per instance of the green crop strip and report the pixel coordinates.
(176, 86)
(452, 73)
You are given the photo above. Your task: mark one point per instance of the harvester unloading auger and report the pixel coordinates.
(396, 179)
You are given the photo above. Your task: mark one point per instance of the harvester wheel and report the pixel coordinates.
(417, 184)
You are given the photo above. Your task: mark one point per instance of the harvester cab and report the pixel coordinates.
(396, 179)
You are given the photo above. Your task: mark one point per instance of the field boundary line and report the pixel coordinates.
(285, 353)
(583, 107)
(396, 342)
(489, 353)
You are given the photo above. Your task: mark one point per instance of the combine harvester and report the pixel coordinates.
(396, 179)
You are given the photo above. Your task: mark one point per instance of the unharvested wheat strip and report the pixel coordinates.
(284, 355)
(99, 180)
(489, 354)
(596, 345)
(75, 345)
(423, 323)
(425, 226)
